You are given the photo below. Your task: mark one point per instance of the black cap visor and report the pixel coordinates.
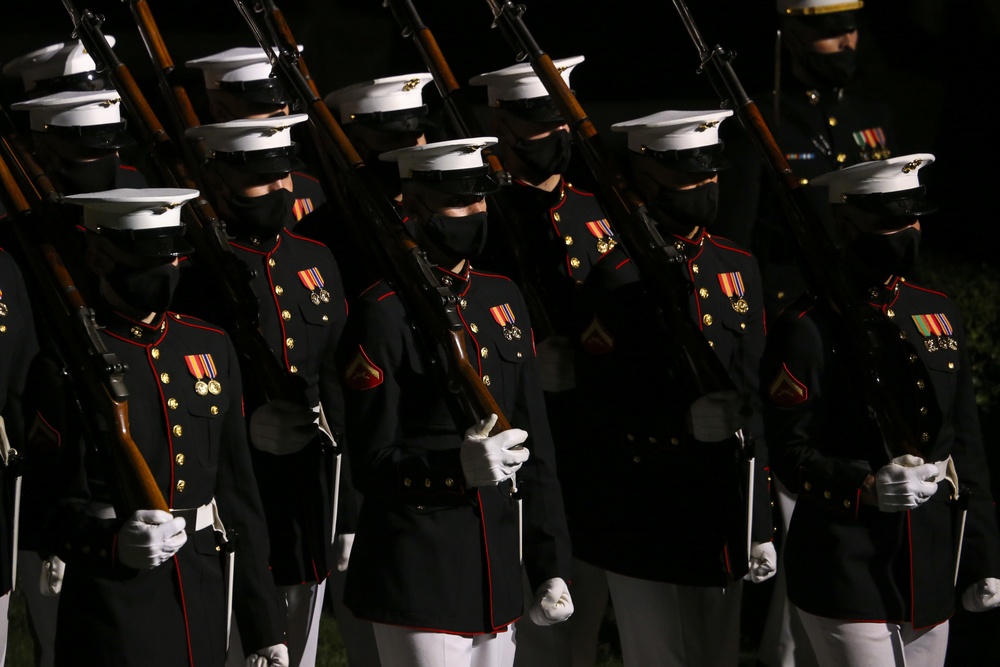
(81, 81)
(156, 242)
(700, 159)
(110, 135)
(902, 203)
(476, 181)
(267, 161)
(535, 109)
(400, 120)
(829, 24)
(261, 91)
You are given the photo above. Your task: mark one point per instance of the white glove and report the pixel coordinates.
(272, 656)
(555, 358)
(488, 460)
(282, 427)
(552, 604)
(718, 416)
(345, 541)
(905, 484)
(763, 562)
(982, 595)
(149, 538)
(50, 581)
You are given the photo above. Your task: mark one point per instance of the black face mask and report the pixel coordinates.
(883, 255)
(459, 238)
(546, 156)
(146, 290)
(93, 176)
(689, 208)
(831, 69)
(265, 215)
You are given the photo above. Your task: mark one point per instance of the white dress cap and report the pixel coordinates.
(247, 134)
(132, 209)
(875, 177)
(457, 154)
(243, 63)
(817, 7)
(50, 62)
(673, 130)
(392, 93)
(72, 109)
(519, 82)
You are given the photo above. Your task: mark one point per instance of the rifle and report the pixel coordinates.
(99, 373)
(261, 369)
(870, 339)
(432, 305)
(696, 366)
(462, 124)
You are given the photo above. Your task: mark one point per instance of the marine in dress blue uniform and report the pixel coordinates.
(677, 600)
(436, 560)
(874, 537)
(158, 599)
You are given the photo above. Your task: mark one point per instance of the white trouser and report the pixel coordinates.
(303, 609)
(840, 643)
(572, 643)
(359, 640)
(666, 625)
(783, 642)
(400, 646)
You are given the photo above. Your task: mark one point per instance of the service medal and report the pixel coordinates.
(3, 306)
(937, 332)
(732, 286)
(601, 230)
(312, 279)
(201, 366)
(504, 316)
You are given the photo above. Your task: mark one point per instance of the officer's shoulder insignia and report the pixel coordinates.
(937, 331)
(302, 207)
(785, 390)
(504, 316)
(595, 339)
(362, 373)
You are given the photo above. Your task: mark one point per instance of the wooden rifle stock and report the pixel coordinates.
(871, 339)
(206, 231)
(97, 372)
(432, 305)
(695, 363)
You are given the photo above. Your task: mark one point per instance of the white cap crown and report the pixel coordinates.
(72, 109)
(132, 209)
(454, 155)
(247, 134)
(816, 7)
(243, 63)
(53, 61)
(673, 130)
(393, 93)
(876, 177)
(519, 82)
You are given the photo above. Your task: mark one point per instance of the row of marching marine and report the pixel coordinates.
(441, 386)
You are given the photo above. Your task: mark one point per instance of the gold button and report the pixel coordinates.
(427, 483)
(214, 409)
(271, 262)
(519, 355)
(807, 486)
(781, 295)
(827, 495)
(921, 384)
(890, 312)
(218, 548)
(279, 290)
(568, 240)
(449, 482)
(180, 486)
(675, 441)
(636, 459)
(925, 437)
(286, 315)
(420, 507)
(703, 293)
(803, 181)
(630, 437)
(178, 430)
(555, 216)
(463, 304)
(913, 358)
(743, 325)
(172, 403)
(155, 353)
(841, 158)
(484, 353)
(832, 121)
(474, 328)
(486, 380)
(179, 458)
(135, 331)
(711, 343)
(326, 318)
(407, 481)
(707, 319)
(694, 268)
(574, 262)
(847, 504)
(951, 364)
(902, 335)
(290, 343)
(165, 378)
(924, 410)
(293, 369)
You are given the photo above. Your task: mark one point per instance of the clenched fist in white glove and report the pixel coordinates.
(763, 562)
(552, 604)
(982, 595)
(149, 538)
(905, 484)
(282, 427)
(272, 656)
(488, 460)
(50, 581)
(344, 543)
